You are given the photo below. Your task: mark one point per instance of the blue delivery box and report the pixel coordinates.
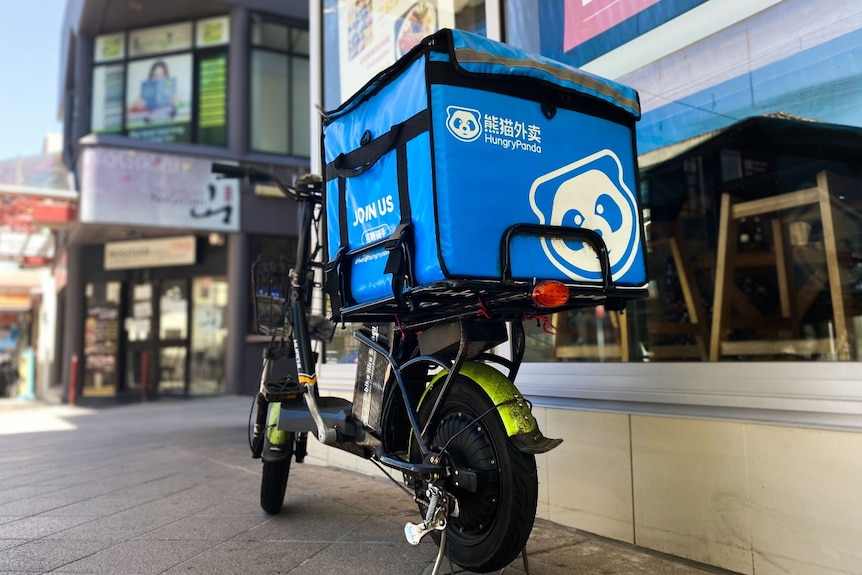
(472, 163)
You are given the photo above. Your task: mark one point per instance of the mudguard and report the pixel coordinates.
(277, 444)
(513, 410)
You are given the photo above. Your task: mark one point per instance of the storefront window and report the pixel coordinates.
(163, 84)
(209, 335)
(750, 178)
(279, 105)
(101, 338)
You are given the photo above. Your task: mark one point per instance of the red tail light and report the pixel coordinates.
(550, 293)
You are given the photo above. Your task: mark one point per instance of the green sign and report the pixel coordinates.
(212, 100)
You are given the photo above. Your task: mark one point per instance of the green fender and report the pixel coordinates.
(513, 409)
(274, 435)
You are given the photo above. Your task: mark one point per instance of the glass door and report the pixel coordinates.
(157, 337)
(101, 345)
(209, 335)
(139, 321)
(173, 340)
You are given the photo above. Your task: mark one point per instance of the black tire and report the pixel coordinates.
(495, 521)
(273, 481)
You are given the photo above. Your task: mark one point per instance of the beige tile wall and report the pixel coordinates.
(691, 490)
(590, 474)
(806, 500)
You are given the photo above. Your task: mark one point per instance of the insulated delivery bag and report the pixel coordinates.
(458, 167)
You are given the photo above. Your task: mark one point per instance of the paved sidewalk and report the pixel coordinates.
(169, 487)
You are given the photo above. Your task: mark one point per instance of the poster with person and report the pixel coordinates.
(159, 98)
(375, 33)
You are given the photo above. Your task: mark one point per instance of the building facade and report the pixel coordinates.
(718, 420)
(157, 298)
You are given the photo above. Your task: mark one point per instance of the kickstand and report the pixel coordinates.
(526, 561)
(444, 549)
(440, 553)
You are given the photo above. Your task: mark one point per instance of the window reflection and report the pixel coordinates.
(754, 253)
(279, 88)
(209, 335)
(101, 335)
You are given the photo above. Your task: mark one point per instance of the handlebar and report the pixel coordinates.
(307, 187)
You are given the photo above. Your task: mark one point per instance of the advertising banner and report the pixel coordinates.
(579, 31)
(158, 98)
(107, 106)
(212, 100)
(586, 19)
(157, 190)
(160, 39)
(373, 34)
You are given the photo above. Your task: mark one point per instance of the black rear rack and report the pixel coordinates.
(503, 298)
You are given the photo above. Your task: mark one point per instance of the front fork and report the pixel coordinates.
(268, 442)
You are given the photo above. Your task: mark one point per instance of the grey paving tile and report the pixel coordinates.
(6, 543)
(160, 487)
(547, 536)
(376, 530)
(121, 526)
(286, 527)
(99, 506)
(235, 507)
(24, 491)
(39, 526)
(301, 502)
(369, 559)
(138, 557)
(258, 557)
(204, 528)
(45, 555)
(597, 556)
(37, 504)
(177, 505)
(173, 489)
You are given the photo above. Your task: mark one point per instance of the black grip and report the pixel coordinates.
(229, 170)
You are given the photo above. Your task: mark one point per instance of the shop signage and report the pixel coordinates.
(151, 253)
(212, 32)
(171, 38)
(110, 47)
(155, 190)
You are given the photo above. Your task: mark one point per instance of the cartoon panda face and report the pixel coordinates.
(591, 200)
(463, 123)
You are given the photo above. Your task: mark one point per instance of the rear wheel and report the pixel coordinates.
(273, 482)
(495, 520)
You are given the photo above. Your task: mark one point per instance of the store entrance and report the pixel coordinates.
(157, 337)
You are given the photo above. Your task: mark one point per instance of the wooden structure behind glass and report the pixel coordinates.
(827, 204)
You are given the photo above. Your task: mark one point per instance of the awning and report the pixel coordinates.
(14, 302)
(36, 197)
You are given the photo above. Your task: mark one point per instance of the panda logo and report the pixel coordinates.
(591, 194)
(464, 123)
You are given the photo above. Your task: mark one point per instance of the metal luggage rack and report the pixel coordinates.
(489, 299)
(503, 298)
